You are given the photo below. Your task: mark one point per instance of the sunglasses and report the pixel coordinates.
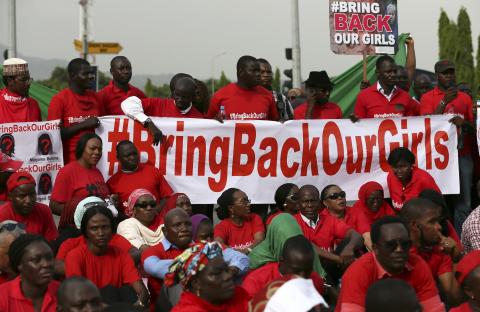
(11, 227)
(292, 197)
(338, 195)
(392, 245)
(145, 205)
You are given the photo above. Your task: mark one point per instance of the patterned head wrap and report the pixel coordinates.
(132, 200)
(191, 262)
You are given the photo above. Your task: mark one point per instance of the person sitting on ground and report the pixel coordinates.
(286, 200)
(239, 229)
(392, 295)
(202, 228)
(8, 166)
(24, 208)
(371, 202)
(297, 257)
(245, 99)
(318, 88)
(34, 288)
(79, 294)
(422, 218)
(390, 258)
(118, 89)
(334, 200)
(77, 107)
(405, 180)
(9, 231)
(468, 277)
(144, 228)
(78, 180)
(471, 228)
(207, 281)
(178, 200)
(111, 269)
(15, 104)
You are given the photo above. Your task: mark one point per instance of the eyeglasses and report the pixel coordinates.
(145, 205)
(392, 245)
(95, 204)
(243, 201)
(9, 227)
(338, 195)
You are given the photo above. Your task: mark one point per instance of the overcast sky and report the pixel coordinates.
(169, 36)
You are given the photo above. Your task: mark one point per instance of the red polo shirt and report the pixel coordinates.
(160, 107)
(465, 307)
(13, 300)
(39, 221)
(239, 237)
(438, 262)
(421, 180)
(244, 104)
(373, 104)
(257, 279)
(327, 231)
(353, 218)
(461, 106)
(361, 274)
(146, 176)
(72, 108)
(70, 244)
(328, 110)
(111, 97)
(16, 108)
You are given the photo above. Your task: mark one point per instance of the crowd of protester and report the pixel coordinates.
(132, 243)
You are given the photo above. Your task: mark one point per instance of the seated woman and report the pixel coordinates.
(334, 200)
(239, 228)
(34, 289)
(405, 180)
(468, 277)
(372, 203)
(207, 281)
(108, 267)
(286, 200)
(144, 228)
(77, 180)
(202, 228)
(179, 200)
(9, 231)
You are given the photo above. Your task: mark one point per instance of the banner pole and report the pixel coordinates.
(364, 66)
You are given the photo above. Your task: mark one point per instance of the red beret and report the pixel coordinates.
(19, 178)
(468, 263)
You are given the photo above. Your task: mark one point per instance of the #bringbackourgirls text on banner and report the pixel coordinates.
(39, 146)
(204, 157)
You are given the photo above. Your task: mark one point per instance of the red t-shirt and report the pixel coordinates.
(39, 221)
(362, 273)
(465, 307)
(74, 183)
(438, 262)
(384, 210)
(12, 298)
(328, 230)
(70, 244)
(111, 96)
(421, 180)
(146, 176)
(15, 108)
(192, 303)
(328, 110)
(72, 108)
(257, 279)
(244, 104)
(160, 107)
(4, 278)
(461, 106)
(115, 268)
(372, 104)
(270, 217)
(239, 237)
(353, 218)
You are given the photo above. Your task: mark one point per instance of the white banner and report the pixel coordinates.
(39, 146)
(204, 157)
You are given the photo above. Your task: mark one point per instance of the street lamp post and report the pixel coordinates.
(12, 38)
(213, 69)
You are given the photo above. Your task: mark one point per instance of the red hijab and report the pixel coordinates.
(363, 193)
(170, 204)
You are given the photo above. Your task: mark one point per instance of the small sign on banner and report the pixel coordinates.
(363, 26)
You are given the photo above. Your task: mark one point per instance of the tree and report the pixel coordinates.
(276, 80)
(58, 79)
(464, 66)
(447, 34)
(149, 88)
(223, 81)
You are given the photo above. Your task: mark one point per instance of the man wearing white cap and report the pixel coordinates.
(15, 105)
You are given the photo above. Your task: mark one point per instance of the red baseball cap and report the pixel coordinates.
(468, 263)
(9, 164)
(19, 178)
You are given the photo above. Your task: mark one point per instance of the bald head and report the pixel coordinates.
(178, 228)
(76, 293)
(174, 213)
(310, 188)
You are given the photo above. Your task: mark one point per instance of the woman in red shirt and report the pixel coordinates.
(468, 276)
(179, 200)
(34, 289)
(207, 281)
(372, 203)
(286, 200)
(239, 229)
(111, 269)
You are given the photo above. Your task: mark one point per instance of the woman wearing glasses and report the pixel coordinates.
(334, 200)
(239, 229)
(286, 200)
